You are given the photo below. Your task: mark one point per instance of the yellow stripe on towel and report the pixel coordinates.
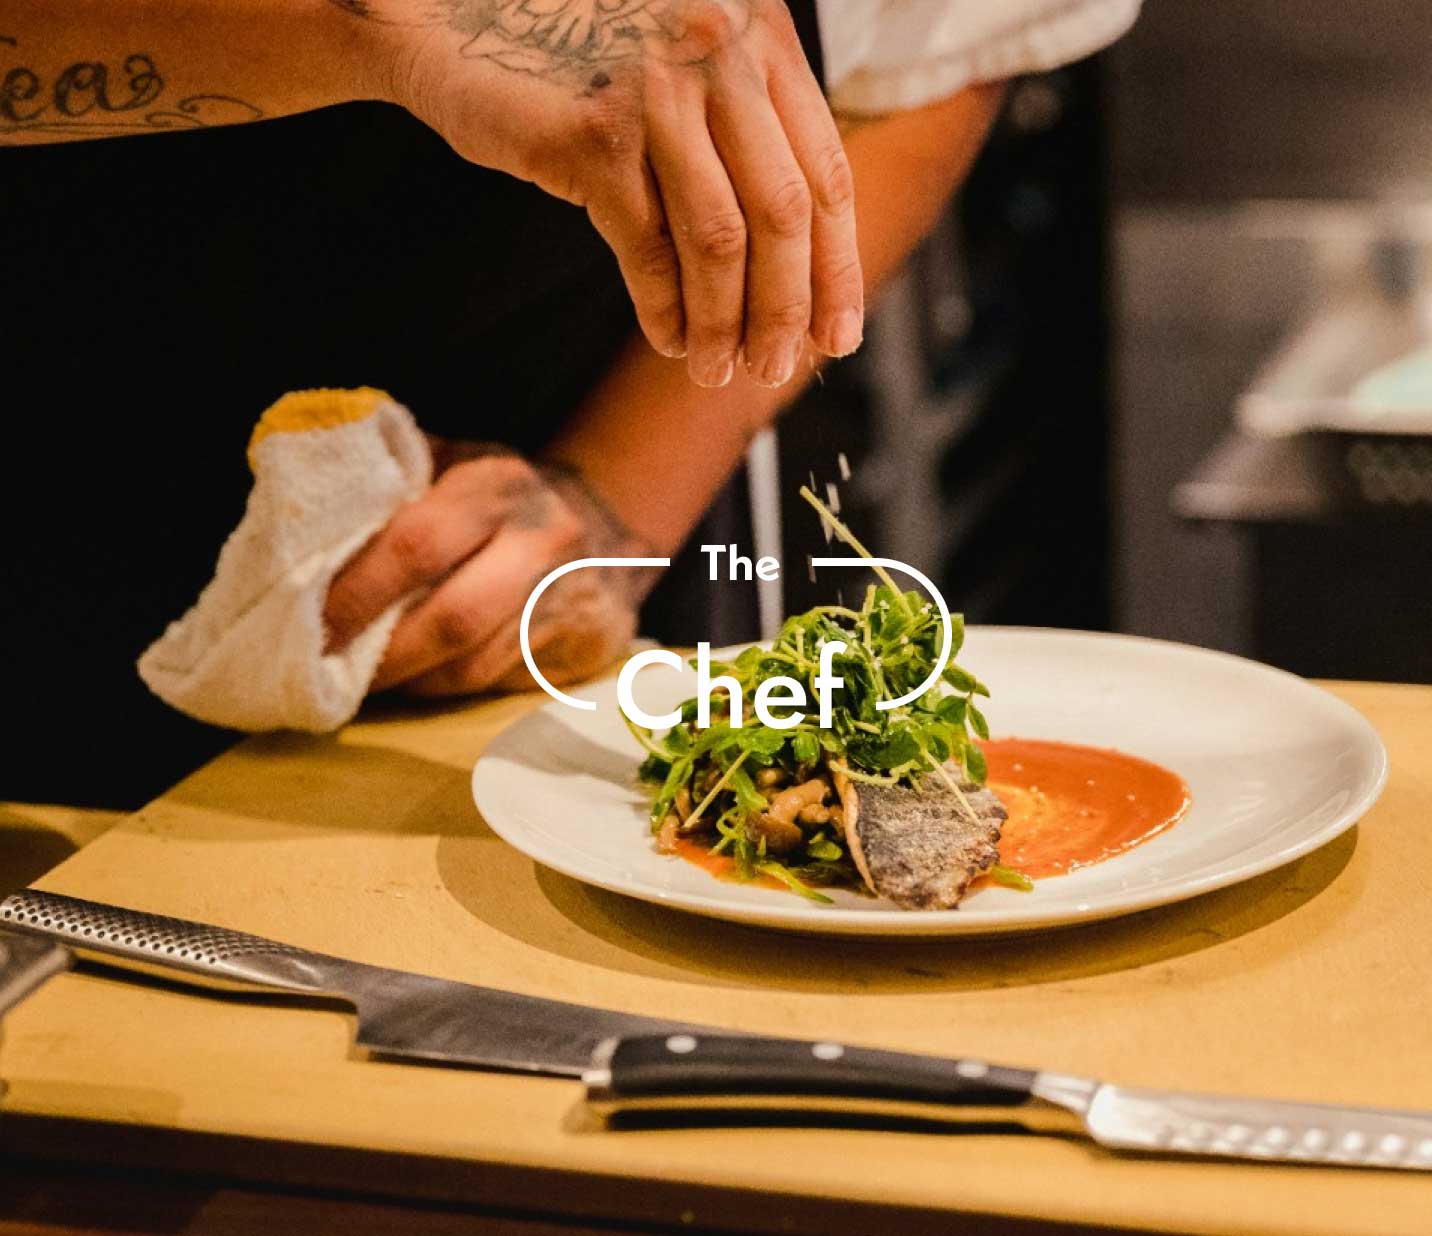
(299, 411)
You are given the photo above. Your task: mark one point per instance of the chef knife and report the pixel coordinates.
(399, 1015)
(633, 1064)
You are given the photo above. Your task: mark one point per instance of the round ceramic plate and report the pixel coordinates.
(1277, 767)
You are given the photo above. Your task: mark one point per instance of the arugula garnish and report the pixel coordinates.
(892, 643)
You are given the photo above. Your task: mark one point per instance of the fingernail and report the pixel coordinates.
(718, 374)
(674, 350)
(780, 366)
(846, 332)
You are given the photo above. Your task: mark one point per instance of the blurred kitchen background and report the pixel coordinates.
(1122, 387)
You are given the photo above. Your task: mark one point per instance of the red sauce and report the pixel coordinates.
(1069, 807)
(1072, 806)
(697, 850)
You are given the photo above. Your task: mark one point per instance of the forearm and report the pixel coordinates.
(657, 448)
(72, 69)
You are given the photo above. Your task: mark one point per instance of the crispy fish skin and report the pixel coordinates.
(921, 850)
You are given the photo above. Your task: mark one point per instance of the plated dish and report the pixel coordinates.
(1274, 767)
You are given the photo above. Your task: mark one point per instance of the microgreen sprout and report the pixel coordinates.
(728, 779)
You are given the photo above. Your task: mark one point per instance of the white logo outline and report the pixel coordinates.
(524, 637)
(944, 658)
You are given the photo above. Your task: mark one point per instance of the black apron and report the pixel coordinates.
(156, 294)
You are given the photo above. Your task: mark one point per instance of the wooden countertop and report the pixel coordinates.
(1307, 983)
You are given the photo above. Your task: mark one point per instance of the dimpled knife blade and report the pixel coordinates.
(1168, 1122)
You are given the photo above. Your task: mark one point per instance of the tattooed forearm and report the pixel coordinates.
(100, 97)
(578, 38)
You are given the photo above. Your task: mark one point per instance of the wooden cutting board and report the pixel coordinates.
(1307, 983)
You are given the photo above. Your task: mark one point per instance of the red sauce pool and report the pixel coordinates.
(1069, 807)
(1072, 806)
(697, 850)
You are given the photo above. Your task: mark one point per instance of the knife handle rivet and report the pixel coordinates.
(681, 1044)
(1353, 1142)
(1315, 1139)
(1276, 1135)
(1392, 1145)
(827, 1051)
(1424, 1149)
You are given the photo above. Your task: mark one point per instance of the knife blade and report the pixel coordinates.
(400, 1015)
(688, 1071)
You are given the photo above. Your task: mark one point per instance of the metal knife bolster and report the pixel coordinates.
(212, 956)
(686, 1072)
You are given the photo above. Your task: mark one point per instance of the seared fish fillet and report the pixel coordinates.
(920, 850)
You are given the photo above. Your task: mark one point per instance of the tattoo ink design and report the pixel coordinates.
(582, 38)
(545, 37)
(87, 97)
(607, 536)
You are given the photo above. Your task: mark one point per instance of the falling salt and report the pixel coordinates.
(810, 567)
(844, 465)
(832, 497)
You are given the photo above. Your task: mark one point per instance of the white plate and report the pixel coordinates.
(1276, 765)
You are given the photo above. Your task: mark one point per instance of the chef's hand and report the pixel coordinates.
(692, 131)
(480, 539)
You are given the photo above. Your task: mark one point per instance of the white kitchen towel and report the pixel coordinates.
(330, 468)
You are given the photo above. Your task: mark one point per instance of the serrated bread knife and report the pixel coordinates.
(631, 1063)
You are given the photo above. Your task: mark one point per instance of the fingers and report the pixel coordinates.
(477, 600)
(424, 541)
(581, 633)
(776, 202)
(496, 660)
(837, 284)
(631, 219)
(708, 228)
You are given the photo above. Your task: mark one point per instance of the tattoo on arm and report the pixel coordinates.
(100, 98)
(607, 533)
(582, 40)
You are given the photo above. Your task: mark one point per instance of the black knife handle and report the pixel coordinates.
(686, 1071)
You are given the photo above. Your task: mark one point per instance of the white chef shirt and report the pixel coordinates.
(891, 55)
